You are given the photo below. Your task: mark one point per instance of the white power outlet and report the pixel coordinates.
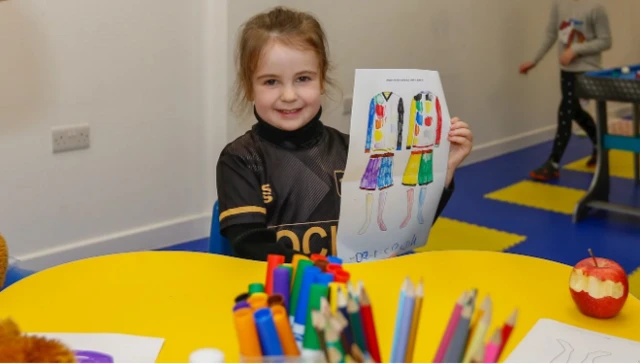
(346, 107)
(70, 137)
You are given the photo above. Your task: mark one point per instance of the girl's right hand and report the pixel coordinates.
(525, 67)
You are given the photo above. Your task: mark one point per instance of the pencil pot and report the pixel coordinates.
(272, 359)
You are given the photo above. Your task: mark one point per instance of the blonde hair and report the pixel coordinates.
(290, 27)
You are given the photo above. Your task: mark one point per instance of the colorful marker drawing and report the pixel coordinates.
(565, 355)
(424, 134)
(384, 135)
(88, 356)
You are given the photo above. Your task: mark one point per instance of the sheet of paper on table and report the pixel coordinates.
(397, 163)
(551, 341)
(115, 348)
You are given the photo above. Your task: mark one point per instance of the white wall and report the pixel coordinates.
(476, 45)
(152, 79)
(146, 76)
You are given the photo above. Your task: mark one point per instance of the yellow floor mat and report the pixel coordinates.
(448, 234)
(634, 283)
(539, 195)
(620, 164)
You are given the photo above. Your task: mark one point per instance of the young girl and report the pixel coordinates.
(582, 26)
(279, 184)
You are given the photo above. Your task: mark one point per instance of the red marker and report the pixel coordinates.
(316, 257)
(273, 261)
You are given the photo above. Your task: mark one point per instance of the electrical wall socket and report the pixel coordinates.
(346, 108)
(70, 137)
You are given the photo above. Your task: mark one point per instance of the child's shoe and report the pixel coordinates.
(547, 172)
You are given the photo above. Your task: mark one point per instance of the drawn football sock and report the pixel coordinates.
(409, 208)
(381, 201)
(423, 196)
(368, 216)
(565, 355)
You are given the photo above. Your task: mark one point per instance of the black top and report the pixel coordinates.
(279, 191)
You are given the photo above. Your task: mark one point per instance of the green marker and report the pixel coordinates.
(297, 283)
(311, 340)
(256, 288)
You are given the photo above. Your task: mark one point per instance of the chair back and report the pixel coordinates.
(218, 244)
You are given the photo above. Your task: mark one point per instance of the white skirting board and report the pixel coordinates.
(150, 237)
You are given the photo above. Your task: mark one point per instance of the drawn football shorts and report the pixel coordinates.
(379, 172)
(419, 170)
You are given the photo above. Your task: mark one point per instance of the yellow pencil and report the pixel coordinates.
(411, 344)
(477, 340)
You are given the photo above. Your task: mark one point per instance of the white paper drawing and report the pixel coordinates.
(109, 348)
(397, 163)
(551, 341)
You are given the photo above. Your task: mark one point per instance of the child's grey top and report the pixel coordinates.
(582, 25)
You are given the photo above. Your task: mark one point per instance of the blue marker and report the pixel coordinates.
(299, 321)
(269, 340)
(323, 278)
(334, 260)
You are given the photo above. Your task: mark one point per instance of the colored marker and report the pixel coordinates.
(256, 287)
(333, 259)
(333, 295)
(342, 276)
(241, 304)
(287, 340)
(311, 340)
(241, 297)
(297, 285)
(258, 300)
(273, 261)
(282, 284)
(324, 278)
(294, 265)
(269, 339)
(316, 257)
(300, 319)
(247, 333)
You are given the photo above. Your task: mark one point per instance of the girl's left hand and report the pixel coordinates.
(461, 140)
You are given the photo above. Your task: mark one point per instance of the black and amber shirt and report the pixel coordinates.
(279, 191)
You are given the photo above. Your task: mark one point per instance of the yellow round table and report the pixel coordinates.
(187, 297)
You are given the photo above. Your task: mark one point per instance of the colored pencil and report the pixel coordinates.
(319, 324)
(478, 356)
(415, 322)
(507, 329)
(455, 351)
(403, 324)
(478, 316)
(451, 326)
(369, 326)
(396, 332)
(492, 349)
(344, 315)
(478, 334)
(356, 324)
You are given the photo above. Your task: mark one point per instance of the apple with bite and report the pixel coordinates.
(599, 287)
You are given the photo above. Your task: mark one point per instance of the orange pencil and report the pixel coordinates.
(258, 300)
(417, 308)
(285, 333)
(247, 333)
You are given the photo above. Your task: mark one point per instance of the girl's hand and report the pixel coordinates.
(461, 140)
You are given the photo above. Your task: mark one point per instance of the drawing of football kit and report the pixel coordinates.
(384, 136)
(424, 134)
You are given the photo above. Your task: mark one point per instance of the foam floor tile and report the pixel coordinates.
(449, 234)
(540, 196)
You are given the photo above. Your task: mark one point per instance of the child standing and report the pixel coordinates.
(582, 28)
(279, 183)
